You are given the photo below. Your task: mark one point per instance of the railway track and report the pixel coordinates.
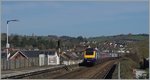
(104, 72)
(109, 74)
(99, 71)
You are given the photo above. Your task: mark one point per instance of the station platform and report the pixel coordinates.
(23, 71)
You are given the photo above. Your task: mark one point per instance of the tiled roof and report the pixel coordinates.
(30, 53)
(66, 56)
(36, 53)
(16, 53)
(70, 56)
(63, 57)
(3, 55)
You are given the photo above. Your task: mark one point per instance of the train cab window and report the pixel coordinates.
(89, 51)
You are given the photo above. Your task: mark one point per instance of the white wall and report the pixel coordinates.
(53, 59)
(41, 59)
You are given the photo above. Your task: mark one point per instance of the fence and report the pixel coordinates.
(71, 62)
(20, 63)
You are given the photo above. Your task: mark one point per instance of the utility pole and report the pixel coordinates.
(58, 47)
(119, 66)
(119, 70)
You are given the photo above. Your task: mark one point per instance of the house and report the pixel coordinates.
(53, 59)
(17, 55)
(43, 57)
(69, 58)
(14, 55)
(3, 55)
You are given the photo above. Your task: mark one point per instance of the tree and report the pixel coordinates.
(3, 40)
(80, 38)
(15, 41)
(24, 42)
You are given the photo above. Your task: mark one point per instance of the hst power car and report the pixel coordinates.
(94, 56)
(90, 55)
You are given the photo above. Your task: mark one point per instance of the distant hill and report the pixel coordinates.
(51, 41)
(124, 37)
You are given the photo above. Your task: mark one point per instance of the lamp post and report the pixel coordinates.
(7, 44)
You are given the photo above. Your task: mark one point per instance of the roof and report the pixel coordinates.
(29, 53)
(14, 54)
(66, 56)
(36, 53)
(3, 55)
(70, 56)
(63, 57)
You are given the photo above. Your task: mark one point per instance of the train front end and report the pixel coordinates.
(90, 56)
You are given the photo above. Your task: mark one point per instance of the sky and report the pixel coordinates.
(75, 18)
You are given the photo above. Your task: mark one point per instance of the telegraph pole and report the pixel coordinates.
(119, 70)
(119, 67)
(58, 47)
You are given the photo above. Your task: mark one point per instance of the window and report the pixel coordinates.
(89, 51)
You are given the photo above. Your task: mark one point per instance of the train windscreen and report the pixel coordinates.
(89, 51)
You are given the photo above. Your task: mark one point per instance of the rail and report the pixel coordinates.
(108, 74)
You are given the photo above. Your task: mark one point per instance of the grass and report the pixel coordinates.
(138, 37)
(115, 74)
(126, 67)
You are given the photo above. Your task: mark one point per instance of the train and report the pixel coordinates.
(92, 56)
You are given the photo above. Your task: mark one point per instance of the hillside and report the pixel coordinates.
(121, 37)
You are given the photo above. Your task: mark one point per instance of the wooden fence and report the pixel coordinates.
(20, 63)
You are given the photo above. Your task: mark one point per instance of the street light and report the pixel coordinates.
(7, 44)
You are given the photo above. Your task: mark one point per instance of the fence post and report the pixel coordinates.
(8, 64)
(24, 63)
(31, 62)
(38, 61)
(35, 61)
(14, 64)
(45, 61)
(28, 61)
(3, 64)
(19, 62)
